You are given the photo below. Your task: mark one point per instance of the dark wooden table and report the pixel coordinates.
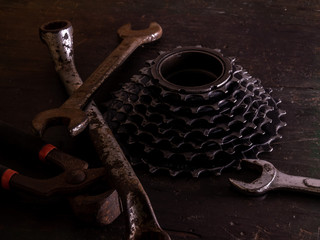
(276, 41)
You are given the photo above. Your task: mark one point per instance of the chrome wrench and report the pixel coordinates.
(272, 179)
(70, 113)
(141, 220)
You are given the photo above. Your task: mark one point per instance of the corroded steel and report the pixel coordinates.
(141, 220)
(70, 112)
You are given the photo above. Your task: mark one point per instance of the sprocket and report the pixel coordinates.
(193, 110)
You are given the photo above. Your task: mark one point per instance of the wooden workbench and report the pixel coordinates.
(276, 41)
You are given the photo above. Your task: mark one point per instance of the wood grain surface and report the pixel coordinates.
(276, 41)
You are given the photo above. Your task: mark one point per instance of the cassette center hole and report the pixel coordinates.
(191, 69)
(55, 26)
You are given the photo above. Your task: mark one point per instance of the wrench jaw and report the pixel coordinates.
(75, 119)
(152, 33)
(262, 184)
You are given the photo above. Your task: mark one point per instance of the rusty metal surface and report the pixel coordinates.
(70, 113)
(103, 208)
(277, 41)
(141, 220)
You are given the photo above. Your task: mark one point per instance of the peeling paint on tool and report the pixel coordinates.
(60, 44)
(132, 39)
(49, 34)
(141, 220)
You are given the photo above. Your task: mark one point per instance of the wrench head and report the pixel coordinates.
(262, 184)
(75, 119)
(150, 34)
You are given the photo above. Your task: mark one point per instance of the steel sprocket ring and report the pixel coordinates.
(193, 110)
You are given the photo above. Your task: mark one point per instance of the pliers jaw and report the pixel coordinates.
(75, 177)
(73, 182)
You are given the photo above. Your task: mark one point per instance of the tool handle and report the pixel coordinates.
(13, 140)
(296, 183)
(58, 37)
(83, 95)
(142, 222)
(141, 218)
(5, 176)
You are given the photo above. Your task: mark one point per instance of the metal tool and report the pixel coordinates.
(73, 180)
(272, 179)
(70, 112)
(141, 220)
(194, 111)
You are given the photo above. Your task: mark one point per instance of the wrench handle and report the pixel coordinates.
(58, 36)
(82, 96)
(142, 222)
(296, 183)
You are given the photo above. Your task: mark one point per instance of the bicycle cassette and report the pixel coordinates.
(193, 110)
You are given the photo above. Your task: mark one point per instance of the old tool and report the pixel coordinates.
(141, 220)
(272, 179)
(70, 112)
(71, 182)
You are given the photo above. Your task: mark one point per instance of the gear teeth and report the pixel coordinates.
(152, 169)
(150, 62)
(232, 59)
(144, 71)
(194, 132)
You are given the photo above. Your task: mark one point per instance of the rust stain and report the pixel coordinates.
(305, 235)
(262, 234)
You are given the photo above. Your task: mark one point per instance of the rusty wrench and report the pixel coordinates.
(272, 179)
(142, 222)
(70, 113)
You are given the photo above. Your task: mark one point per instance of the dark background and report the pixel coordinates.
(276, 41)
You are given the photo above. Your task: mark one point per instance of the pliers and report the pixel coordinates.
(72, 181)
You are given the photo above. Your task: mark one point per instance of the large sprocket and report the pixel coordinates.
(193, 110)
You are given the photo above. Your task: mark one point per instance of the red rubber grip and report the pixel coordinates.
(6, 177)
(45, 150)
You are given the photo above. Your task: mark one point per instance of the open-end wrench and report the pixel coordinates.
(70, 113)
(272, 179)
(142, 222)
